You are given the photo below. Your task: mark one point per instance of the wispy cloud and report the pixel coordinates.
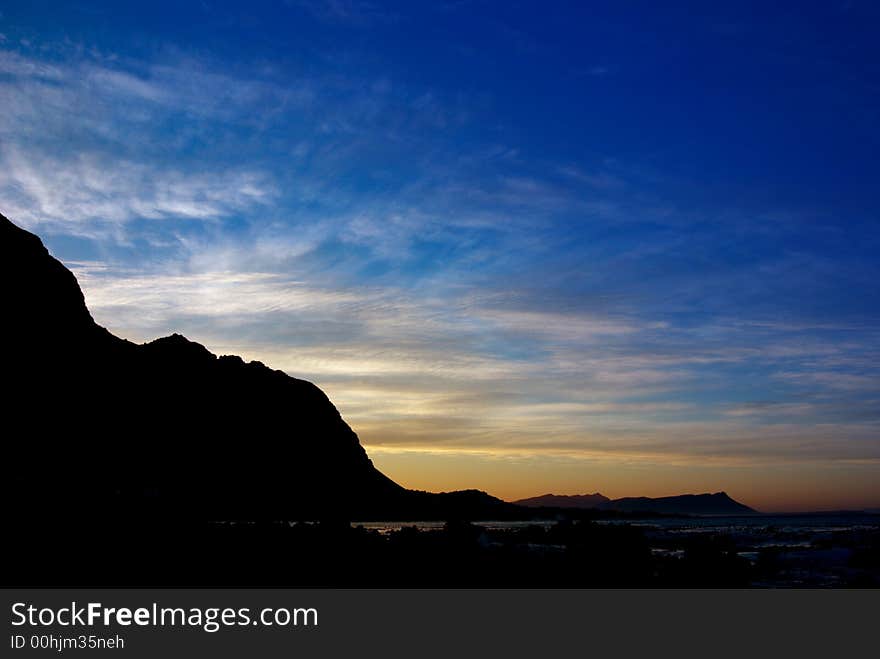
(81, 145)
(83, 191)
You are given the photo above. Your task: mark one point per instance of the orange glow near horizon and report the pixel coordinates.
(767, 488)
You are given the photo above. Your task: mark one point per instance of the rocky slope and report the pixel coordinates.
(96, 426)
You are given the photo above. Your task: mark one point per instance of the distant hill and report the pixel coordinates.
(565, 501)
(718, 503)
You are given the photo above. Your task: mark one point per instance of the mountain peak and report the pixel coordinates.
(177, 346)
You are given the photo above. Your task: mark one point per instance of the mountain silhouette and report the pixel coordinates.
(718, 503)
(595, 500)
(101, 427)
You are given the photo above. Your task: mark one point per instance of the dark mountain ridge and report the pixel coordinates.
(98, 426)
(594, 500)
(718, 503)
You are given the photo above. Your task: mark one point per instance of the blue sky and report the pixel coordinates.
(523, 246)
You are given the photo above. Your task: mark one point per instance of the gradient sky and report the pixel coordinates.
(526, 247)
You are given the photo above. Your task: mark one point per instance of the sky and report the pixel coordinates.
(524, 247)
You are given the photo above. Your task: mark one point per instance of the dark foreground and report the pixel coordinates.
(557, 554)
